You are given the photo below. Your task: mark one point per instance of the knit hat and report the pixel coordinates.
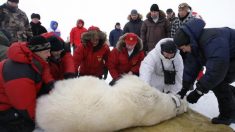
(16, 1)
(56, 44)
(154, 7)
(168, 11)
(134, 12)
(38, 43)
(169, 47)
(93, 28)
(34, 15)
(131, 39)
(181, 38)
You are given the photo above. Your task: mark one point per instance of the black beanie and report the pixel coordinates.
(169, 47)
(181, 38)
(38, 43)
(16, 1)
(154, 7)
(169, 11)
(56, 44)
(34, 15)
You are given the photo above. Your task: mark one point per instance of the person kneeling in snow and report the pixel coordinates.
(89, 104)
(163, 67)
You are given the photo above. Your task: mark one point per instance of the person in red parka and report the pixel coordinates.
(126, 57)
(22, 76)
(61, 61)
(76, 33)
(90, 58)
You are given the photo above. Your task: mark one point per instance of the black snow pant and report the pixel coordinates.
(11, 121)
(224, 94)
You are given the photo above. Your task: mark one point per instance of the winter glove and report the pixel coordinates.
(70, 75)
(194, 96)
(46, 88)
(185, 89)
(197, 93)
(105, 73)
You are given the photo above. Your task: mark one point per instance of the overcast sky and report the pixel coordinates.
(105, 13)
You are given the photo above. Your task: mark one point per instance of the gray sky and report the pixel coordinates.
(105, 13)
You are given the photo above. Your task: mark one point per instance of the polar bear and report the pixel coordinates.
(88, 104)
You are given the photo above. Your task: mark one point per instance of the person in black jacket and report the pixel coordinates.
(134, 24)
(213, 48)
(36, 26)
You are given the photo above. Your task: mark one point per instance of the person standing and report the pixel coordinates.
(90, 58)
(115, 34)
(24, 76)
(170, 16)
(134, 24)
(154, 28)
(76, 33)
(184, 15)
(15, 21)
(163, 67)
(36, 26)
(214, 49)
(126, 57)
(54, 28)
(5, 39)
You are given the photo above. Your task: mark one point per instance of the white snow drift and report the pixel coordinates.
(87, 104)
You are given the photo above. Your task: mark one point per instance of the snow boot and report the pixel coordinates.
(222, 120)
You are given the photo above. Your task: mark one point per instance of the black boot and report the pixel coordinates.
(233, 89)
(226, 102)
(222, 120)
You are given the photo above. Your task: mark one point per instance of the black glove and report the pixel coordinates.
(70, 75)
(46, 88)
(105, 73)
(185, 89)
(194, 96)
(182, 93)
(197, 93)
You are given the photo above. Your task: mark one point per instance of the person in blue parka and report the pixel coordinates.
(213, 48)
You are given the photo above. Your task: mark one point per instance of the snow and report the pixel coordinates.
(208, 106)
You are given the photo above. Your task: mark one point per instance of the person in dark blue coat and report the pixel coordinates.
(115, 34)
(213, 48)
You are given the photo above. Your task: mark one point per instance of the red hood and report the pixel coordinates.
(19, 52)
(50, 34)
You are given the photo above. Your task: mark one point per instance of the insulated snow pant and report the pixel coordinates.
(12, 121)
(224, 94)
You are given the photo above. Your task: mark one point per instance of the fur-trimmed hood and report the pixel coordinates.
(162, 16)
(121, 43)
(140, 17)
(87, 36)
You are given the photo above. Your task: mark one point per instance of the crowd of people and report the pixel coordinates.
(166, 50)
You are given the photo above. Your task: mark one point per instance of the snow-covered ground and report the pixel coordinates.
(208, 106)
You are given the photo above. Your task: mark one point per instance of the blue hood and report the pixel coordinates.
(52, 25)
(193, 28)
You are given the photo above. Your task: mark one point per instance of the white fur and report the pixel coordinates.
(88, 104)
